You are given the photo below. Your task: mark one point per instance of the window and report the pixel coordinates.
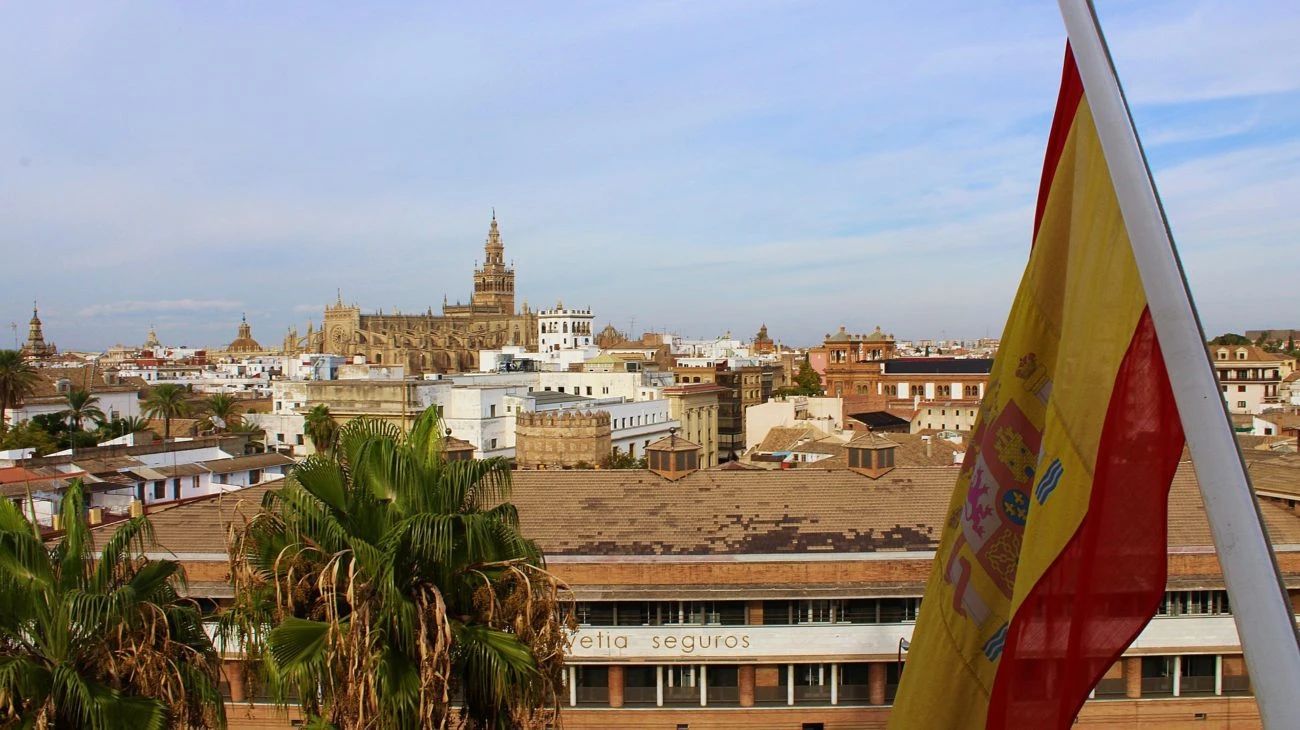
(1241, 404)
(588, 390)
(492, 410)
(1241, 389)
(298, 439)
(160, 490)
(494, 443)
(254, 476)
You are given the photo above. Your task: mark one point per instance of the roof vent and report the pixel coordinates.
(454, 449)
(673, 458)
(871, 455)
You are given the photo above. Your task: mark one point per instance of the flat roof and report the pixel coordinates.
(552, 397)
(939, 365)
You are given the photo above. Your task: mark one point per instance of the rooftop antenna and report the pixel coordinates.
(14, 326)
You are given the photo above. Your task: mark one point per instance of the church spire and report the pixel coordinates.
(35, 336)
(493, 246)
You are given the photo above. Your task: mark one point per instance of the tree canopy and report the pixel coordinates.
(99, 640)
(382, 581)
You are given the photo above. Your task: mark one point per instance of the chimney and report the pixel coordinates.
(871, 455)
(673, 458)
(929, 445)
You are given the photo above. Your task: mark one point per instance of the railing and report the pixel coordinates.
(770, 696)
(1155, 686)
(593, 696)
(681, 695)
(1116, 687)
(1196, 686)
(854, 694)
(724, 695)
(813, 693)
(642, 695)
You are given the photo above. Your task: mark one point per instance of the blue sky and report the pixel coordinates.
(700, 166)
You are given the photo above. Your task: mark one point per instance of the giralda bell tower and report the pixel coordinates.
(494, 284)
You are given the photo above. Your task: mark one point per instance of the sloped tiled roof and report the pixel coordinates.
(201, 525)
(637, 513)
(242, 463)
(86, 377)
(784, 438)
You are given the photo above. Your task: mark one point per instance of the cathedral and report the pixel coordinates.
(431, 343)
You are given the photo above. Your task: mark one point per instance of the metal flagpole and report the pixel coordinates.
(1260, 606)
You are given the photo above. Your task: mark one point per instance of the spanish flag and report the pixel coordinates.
(1053, 553)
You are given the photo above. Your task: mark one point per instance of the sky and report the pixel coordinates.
(693, 167)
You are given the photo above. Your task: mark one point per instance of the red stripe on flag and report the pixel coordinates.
(1067, 103)
(1108, 581)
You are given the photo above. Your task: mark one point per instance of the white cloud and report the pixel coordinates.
(161, 306)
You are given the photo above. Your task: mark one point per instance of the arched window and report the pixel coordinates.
(566, 327)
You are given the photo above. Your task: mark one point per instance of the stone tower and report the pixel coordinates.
(494, 284)
(562, 439)
(36, 345)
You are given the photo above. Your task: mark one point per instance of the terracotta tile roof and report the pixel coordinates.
(634, 512)
(1276, 476)
(200, 526)
(830, 446)
(1253, 354)
(735, 466)
(16, 480)
(86, 377)
(784, 438)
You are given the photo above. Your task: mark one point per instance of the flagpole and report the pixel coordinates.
(1260, 606)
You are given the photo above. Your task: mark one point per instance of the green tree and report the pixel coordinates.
(381, 580)
(81, 404)
(122, 427)
(17, 381)
(619, 460)
(1230, 338)
(807, 381)
(167, 401)
(29, 436)
(320, 427)
(99, 640)
(223, 408)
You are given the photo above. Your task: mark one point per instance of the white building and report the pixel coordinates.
(1250, 378)
(564, 339)
(827, 414)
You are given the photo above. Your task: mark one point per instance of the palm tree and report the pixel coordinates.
(320, 427)
(81, 405)
(221, 407)
(381, 580)
(167, 401)
(99, 641)
(17, 381)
